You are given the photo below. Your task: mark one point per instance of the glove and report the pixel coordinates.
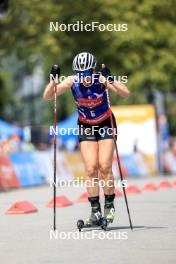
(105, 71)
(55, 72)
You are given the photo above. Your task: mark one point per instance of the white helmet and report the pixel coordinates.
(84, 61)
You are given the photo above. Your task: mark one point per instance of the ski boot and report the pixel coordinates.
(109, 211)
(93, 221)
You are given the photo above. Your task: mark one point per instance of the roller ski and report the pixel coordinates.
(102, 223)
(95, 220)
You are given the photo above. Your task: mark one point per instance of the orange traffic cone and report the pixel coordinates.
(132, 189)
(174, 184)
(164, 184)
(149, 187)
(22, 207)
(83, 198)
(61, 201)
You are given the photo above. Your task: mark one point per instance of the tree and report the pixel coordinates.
(144, 52)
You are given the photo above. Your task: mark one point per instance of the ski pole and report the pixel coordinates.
(118, 161)
(120, 171)
(55, 146)
(55, 73)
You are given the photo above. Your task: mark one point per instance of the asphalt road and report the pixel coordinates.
(25, 239)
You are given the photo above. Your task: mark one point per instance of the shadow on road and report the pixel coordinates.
(135, 228)
(113, 228)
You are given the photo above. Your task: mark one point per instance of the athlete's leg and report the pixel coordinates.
(106, 152)
(89, 152)
(105, 158)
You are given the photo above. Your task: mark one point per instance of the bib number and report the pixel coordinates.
(92, 113)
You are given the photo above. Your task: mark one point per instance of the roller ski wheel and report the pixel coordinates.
(80, 224)
(104, 223)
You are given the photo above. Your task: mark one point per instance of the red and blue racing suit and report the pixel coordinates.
(92, 103)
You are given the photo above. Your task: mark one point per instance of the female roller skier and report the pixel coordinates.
(90, 92)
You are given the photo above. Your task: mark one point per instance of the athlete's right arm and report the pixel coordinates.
(60, 88)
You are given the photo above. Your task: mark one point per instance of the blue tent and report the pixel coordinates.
(67, 129)
(7, 129)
